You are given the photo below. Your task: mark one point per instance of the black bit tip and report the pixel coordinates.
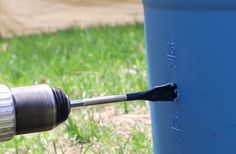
(167, 92)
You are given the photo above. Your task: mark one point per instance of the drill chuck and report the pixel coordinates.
(31, 109)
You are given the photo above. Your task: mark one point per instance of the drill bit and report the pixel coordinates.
(167, 92)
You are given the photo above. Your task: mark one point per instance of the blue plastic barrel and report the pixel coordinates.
(193, 43)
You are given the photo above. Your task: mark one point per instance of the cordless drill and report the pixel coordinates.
(39, 108)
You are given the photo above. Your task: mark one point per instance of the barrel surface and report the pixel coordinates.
(193, 43)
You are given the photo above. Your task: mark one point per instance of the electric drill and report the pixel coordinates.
(39, 108)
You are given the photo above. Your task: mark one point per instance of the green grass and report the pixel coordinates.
(85, 63)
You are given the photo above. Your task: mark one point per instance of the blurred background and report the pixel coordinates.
(88, 48)
(35, 16)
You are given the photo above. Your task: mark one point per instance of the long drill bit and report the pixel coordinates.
(167, 92)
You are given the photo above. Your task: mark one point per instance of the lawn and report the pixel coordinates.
(84, 62)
